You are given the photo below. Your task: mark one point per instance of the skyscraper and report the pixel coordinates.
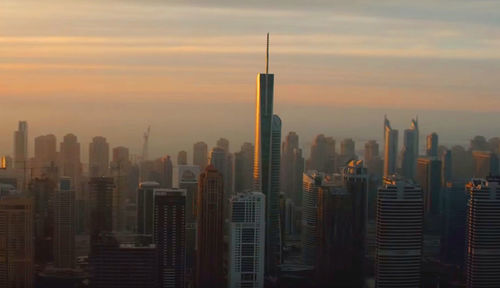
(166, 172)
(101, 208)
(210, 221)
(247, 240)
(182, 158)
(355, 179)
(64, 225)
(335, 261)
(410, 153)
(347, 150)
(16, 238)
(429, 179)
(446, 168)
(170, 236)
(70, 160)
(98, 157)
(310, 236)
(145, 208)
(223, 143)
(373, 162)
(485, 163)
(188, 180)
(292, 168)
(267, 163)
(200, 154)
(218, 159)
(483, 228)
(45, 153)
(318, 159)
(126, 183)
(399, 255)
(21, 145)
(391, 148)
(243, 168)
(432, 145)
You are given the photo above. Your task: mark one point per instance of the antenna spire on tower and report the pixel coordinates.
(267, 54)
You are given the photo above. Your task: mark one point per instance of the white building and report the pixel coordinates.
(247, 240)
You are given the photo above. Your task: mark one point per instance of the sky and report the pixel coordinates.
(188, 69)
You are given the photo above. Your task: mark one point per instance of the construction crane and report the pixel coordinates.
(145, 145)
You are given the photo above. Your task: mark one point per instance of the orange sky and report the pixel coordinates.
(113, 67)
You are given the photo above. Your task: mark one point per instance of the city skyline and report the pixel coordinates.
(341, 60)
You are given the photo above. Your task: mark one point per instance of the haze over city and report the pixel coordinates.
(186, 68)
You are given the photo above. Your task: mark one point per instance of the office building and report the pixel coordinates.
(64, 225)
(373, 161)
(98, 157)
(200, 155)
(410, 151)
(169, 236)
(454, 223)
(145, 210)
(247, 240)
(355, 179)
(432, 145)
(390, 149)
(429, 179)
(320, 152)
(45, 154)
(243, 168)
(21, 145)
(210, 226)
(313, 181)
(188, 180)
(399, 244)
(166, 172)
(16, 238)
(483, 228)
(182, 158)
(485, 164)
(100, 208)
(292, 168)
(70, 160)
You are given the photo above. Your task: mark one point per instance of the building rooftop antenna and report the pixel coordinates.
(267, 54)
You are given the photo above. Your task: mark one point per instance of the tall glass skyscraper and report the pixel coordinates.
(267, 163)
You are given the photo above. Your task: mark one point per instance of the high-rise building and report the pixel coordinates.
(432, 145)
(98, 157)
(373, 161)
(429, 179)
(70, 159)
(45, 153)
(399, 248)
(126, 180)
(446, 168)
(320, 152)
(485, 164)
(454, 223)
(16, 238)
(391, 148)
(42, 190)
(210, 226)
(101, 208)
(335, 263)
(64, 225)
(409, 154)
(479, 143)
(21, 145)
(313, 181)
(347, 150)
(182, 158)
(223, 143)
(219, 160)
(247, 240)
(292, 168)
(267, 164)
(355, 178)
(145, 207)
(188, 180)
(166, 172)
(243, 168)
(117, 265)
(200, 154)
(169, 236)
(483, 228)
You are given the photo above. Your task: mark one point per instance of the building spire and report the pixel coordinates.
(267, 54)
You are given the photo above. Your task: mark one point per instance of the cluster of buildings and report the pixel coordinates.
(260, 217)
